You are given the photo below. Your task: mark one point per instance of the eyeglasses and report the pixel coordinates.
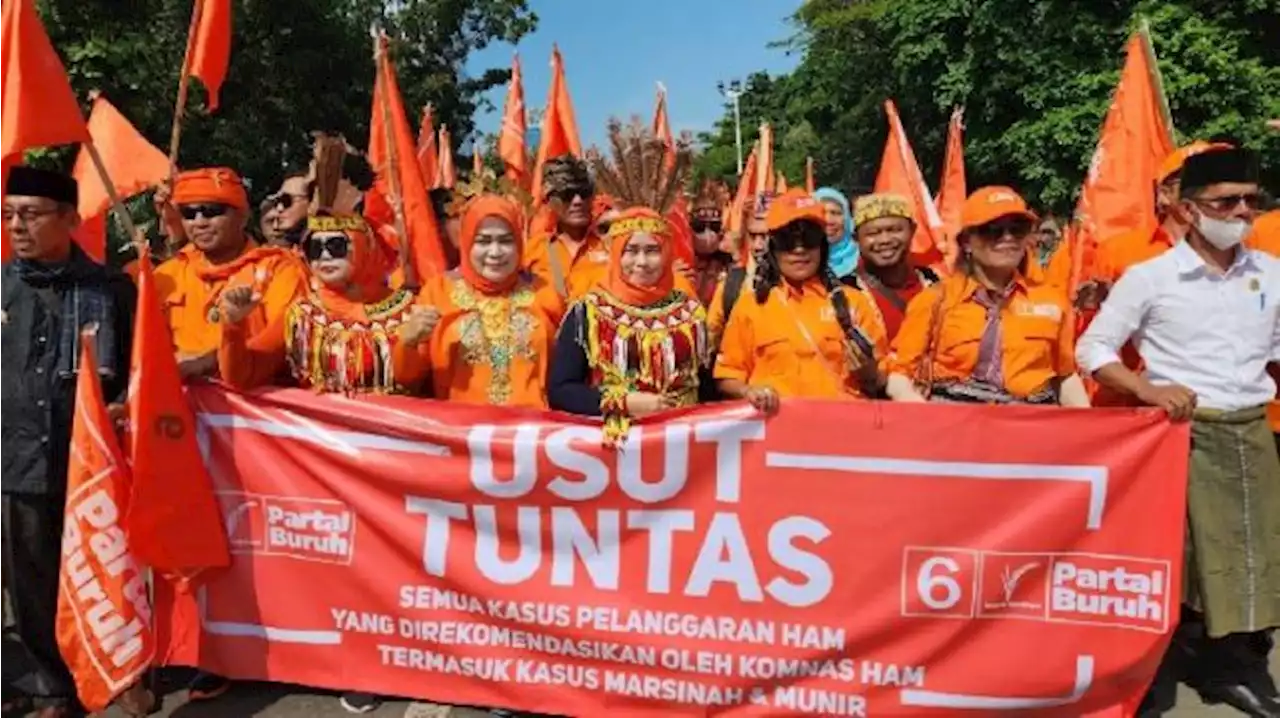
(700, 226)
(26, 214)
(1251, 201)
(567, 194)
(337, 246)
(991, 231)
(190, 212)
(285, 201)
(804, 236)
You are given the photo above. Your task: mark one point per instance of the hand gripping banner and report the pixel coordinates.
(865, 559)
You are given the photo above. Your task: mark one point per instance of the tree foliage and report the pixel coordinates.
(295, 67)
(1035, 77)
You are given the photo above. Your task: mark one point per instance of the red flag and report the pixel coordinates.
(559, 128)
(900, 174)
(953, 191)
(428, 160)
(446, 174)
(1136, 137)
(39, 107)
(511, 141)
(399, 178)
(104, 614)
(662, 127)
(211, 50)
(133, 163)
(174, 523)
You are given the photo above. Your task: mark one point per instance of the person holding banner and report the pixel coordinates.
(801, 334)
(885, 224)
(1205, 319)
(52, 290)
(497, 325)
(987, 334)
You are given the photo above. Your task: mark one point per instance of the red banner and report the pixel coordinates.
(841, 559)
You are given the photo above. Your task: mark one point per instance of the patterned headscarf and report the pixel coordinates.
(871, 207)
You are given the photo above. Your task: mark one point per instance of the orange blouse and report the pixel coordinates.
(190, 289)
(1038, 337)
(491, 350)
(793, 342)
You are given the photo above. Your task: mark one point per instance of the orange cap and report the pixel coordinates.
(1173, 163)
(989, 203)
(210, 184)
(794, 206)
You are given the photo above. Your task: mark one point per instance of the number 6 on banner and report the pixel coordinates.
(939, 582)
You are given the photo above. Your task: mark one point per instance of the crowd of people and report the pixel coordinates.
(595, 314)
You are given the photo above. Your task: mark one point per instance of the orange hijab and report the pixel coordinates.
(476, 211)
(630, 222)
(370, 265)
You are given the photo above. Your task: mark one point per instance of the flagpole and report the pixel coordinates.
(184, 81)
(1157, 78)
(393, 160)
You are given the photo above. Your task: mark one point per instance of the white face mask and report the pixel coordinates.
(1222, 233)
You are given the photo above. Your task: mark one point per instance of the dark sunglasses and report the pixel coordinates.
(336, 246)
(208, 211)
(566, 195)
(805, 236)
(992, 231)
(284, 201)
(1230, 202)
(700, 226)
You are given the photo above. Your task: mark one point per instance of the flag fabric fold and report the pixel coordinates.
(662, 127)
(900, 173)
(511, 141)
(446, 173)
(559, 127)
(953, 190)
(428, 159)
(211, 51)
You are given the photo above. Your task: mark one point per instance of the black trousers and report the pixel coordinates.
(32, 548)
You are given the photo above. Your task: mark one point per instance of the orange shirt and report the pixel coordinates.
(1038, 340)
(582, 269)
(491, 350)
(764, 344)
(1265, 237)
(189, 293)
(1117, 254)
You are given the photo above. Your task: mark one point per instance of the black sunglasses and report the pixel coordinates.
(567, 194)
(992, 231)
(700, 226)
(208, 211)
(806, 236)
(336, 246)
(1230, 202)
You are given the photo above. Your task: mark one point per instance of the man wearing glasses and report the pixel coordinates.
(572, 256)
(52, 290)
(284, 214)
(219, 255)
(1205, 318)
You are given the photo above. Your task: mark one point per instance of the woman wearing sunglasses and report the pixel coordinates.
(497, 324)
(342, 333)
(802, 334)
(987, 334)
(634, 345)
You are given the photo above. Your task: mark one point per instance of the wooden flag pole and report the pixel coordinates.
(117, 204)
(184, 81)
(1157, 78)
(411, 279)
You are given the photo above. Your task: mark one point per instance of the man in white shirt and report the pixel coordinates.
(1205, 317)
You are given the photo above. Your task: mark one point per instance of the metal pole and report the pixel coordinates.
(737, 127)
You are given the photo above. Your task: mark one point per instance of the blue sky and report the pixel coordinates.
(615, 51)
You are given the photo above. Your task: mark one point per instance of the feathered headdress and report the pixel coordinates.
(488, 182)
(637, 174)
(336, 174)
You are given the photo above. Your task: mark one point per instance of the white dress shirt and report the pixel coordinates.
(1212, 333)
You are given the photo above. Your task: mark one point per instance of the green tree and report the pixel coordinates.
(1034, 76)
(295, 67)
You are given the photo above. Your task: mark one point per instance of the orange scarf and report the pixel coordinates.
(370, 265)
(478, 210)
(631, 222)
(252, 254)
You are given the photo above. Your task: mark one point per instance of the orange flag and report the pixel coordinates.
(133, 163)
(780, 184)
(900, 174)
(211, 51)
(446, 174)
(1135, 139)
(559, 128)
(953, 191)
(103, 621)
(174, 522)
(477, 160)
(511, 141)
(39, 107)
(810, 183)
(428, 160)
(399, 177)
(766, 179)
(744, 198)
(662, 127)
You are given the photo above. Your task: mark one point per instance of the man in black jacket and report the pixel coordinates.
(52, 290)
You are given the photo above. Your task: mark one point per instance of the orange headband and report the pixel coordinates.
(210, 184)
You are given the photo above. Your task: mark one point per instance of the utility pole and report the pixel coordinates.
(733, 92)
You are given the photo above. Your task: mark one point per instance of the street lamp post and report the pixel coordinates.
(733, 92)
